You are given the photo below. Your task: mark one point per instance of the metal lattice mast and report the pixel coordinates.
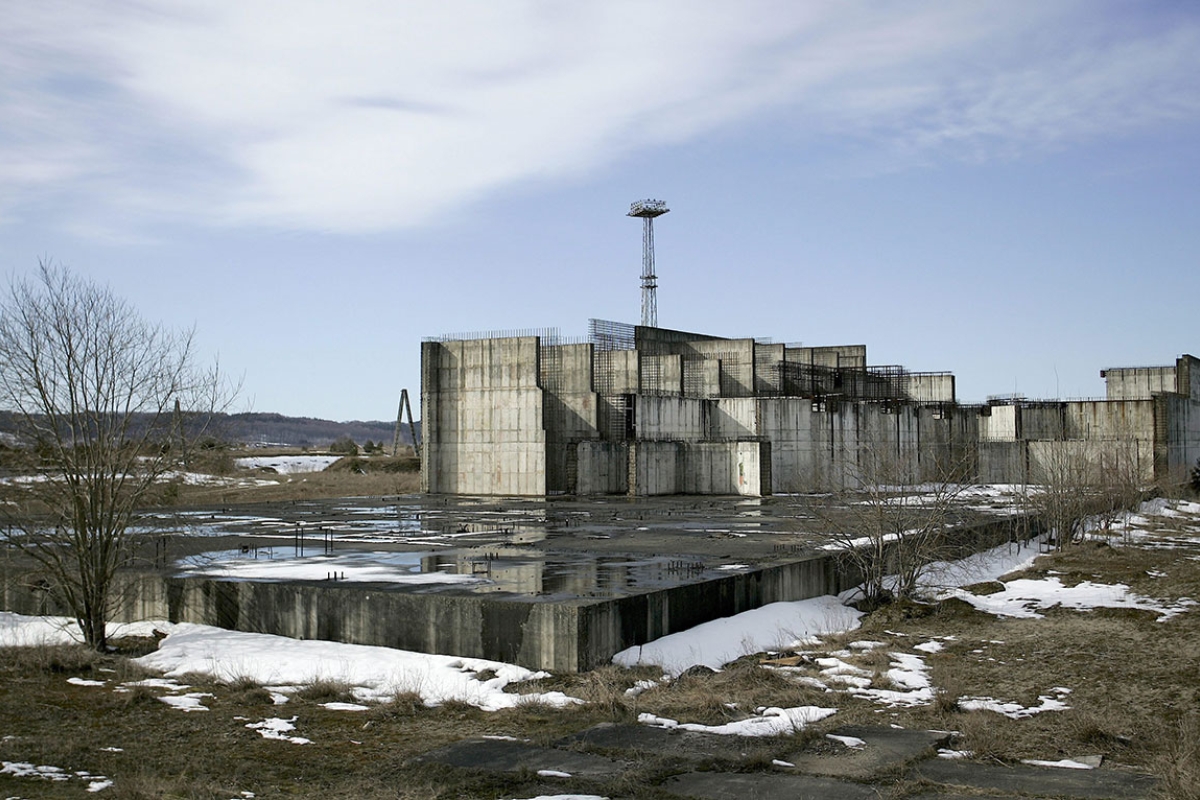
(648, 210)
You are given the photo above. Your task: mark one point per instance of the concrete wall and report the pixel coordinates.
(1177, 448)
(928, 387)
(1108, 419)
(662, 418)
(1002, 462)
(832, 357)
(570, 411)
(676, 467)
(736, 359)
(617, 372)
(1138, 383)
(1041, 421)
(661, 375)
(1187, 376)
(656, 467)
(481, 411)
(734, 418)
(998, 424)
(701, 377)
(660, 340)
(603, 468)
(817, 446)
(768, 368)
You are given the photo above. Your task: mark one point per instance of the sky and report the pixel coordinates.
(1007, 191)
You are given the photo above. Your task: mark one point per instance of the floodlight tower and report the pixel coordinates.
(648, 210)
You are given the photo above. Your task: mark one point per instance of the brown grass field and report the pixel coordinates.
(358, 476)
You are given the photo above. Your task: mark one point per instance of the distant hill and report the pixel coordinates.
(274, 429)
(262, 428)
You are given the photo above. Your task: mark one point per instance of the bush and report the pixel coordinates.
(344, 446)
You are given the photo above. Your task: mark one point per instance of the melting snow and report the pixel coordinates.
(767, 722)
(286, 465)
(1065, 763)
(1046, 702)
(186, 702)
(360, 567)
(276, 728)
(716, 643)
(378, 673)
(848, 741)
(1020, 597)
(345, 707)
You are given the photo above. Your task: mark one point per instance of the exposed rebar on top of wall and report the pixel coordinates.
(608, 335)
(547, 335)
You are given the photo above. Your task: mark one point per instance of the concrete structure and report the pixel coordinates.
(650, 411)
(562, 585)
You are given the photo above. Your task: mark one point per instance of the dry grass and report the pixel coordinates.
(306, 486)
(70, 659)
(401, 706)
(1179, 765)
(325, 691)
(733, 694)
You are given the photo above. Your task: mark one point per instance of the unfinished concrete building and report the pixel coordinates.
(651, 411)
(1148, 424)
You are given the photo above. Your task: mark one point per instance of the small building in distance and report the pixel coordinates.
(652, 411)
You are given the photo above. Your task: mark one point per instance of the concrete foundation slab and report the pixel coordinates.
(1095, 784)
(645, 741)
(560, 585)
(884, 750)
(763, 786)
(499, 755)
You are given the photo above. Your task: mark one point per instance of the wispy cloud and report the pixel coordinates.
(371, 115)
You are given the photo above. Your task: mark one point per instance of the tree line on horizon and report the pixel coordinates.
(266, 428)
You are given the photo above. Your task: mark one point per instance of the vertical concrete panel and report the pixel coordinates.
(487, 411)
(1139, 383)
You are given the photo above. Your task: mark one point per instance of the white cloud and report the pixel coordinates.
(369, 115)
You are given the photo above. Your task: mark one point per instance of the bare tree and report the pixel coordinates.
(1077, 480)
(104, 404)
(894, 524)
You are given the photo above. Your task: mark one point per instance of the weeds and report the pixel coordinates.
(402, 705)
(1090, 729)
(945, 700)
(137, 696)
(1179, 767)
(73, 659)
(603, 689)
(322, 690)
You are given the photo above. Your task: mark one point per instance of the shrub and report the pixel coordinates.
(322, 690)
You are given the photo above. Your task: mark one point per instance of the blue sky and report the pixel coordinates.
(1005, 190)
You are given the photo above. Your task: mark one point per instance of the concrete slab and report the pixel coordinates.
(499, 755)
(1095, 784)
(640, 741)
(557, 585)
(884, 749)
(763, 786)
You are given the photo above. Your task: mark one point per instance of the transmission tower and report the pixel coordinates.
(648, 210)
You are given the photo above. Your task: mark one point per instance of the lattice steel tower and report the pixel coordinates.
(648, 210)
